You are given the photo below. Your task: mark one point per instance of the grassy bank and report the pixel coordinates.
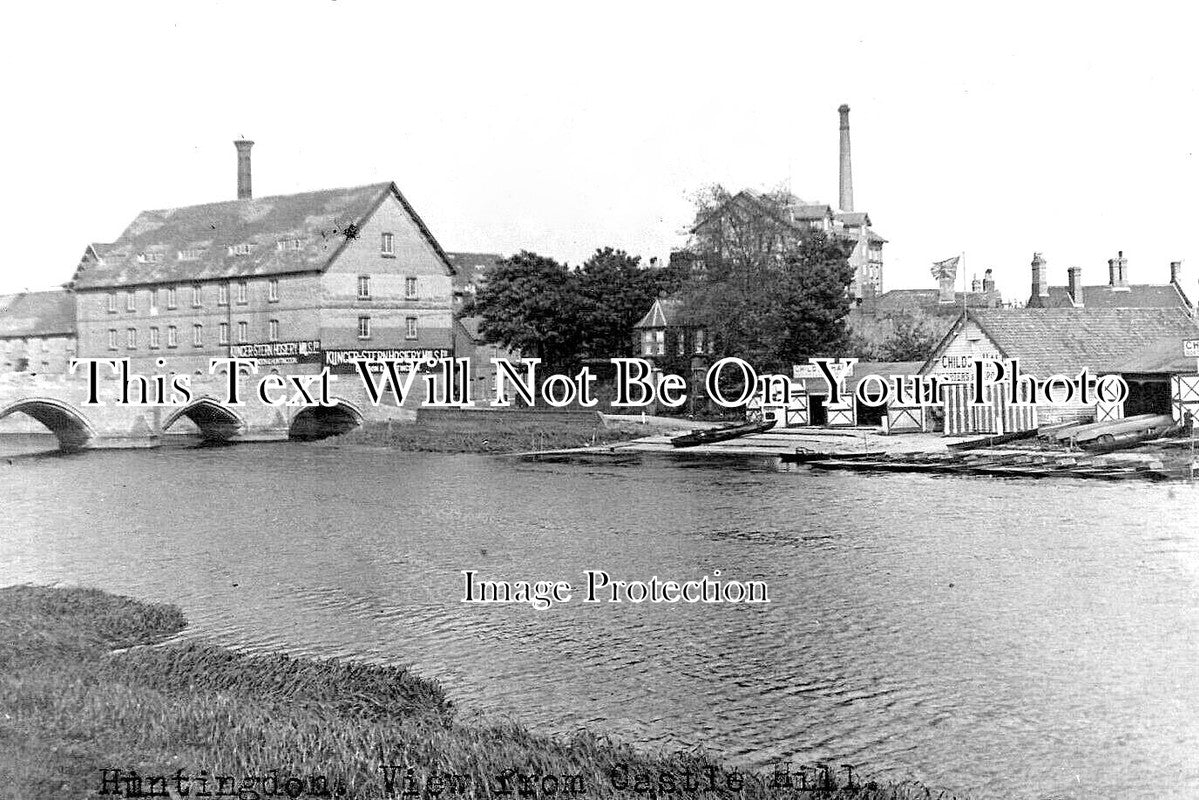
(491, 433)
(73, 703)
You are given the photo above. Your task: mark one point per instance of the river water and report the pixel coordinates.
(999, 638)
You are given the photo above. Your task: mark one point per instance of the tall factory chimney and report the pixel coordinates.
(244, 190)
(846, 167)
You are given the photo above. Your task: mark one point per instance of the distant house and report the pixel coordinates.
(37, 332)
(469, 343)
(669, 331)
(470, 273)
(1116, 293)
(1047, 342)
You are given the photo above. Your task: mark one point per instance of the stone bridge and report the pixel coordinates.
(60, 404)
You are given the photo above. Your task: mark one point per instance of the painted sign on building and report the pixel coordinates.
(269, 353)
(421, 358)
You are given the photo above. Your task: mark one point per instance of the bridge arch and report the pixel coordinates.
(320, 422)
(217, 423)
(64, 420)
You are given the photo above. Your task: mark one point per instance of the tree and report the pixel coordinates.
(913, 339)
(614, 292)
(530, 303)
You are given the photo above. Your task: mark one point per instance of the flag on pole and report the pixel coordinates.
(946, 268)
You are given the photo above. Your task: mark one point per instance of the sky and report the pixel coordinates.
(1067, 129)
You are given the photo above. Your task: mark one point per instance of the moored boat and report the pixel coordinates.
(720, 434)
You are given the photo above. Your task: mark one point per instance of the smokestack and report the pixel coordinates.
(988, 282)
(1040, 282)
(244, 190)
(846, 167)
(975, 285)
(1075, 276)
(1176, 273)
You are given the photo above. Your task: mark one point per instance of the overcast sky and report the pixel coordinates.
(1070, 131)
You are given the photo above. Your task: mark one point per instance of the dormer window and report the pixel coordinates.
(240, 249)
(291, 244)
(150, 258)
(192, 254)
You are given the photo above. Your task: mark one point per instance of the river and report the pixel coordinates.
(998, 638)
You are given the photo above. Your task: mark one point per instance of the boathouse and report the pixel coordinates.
(1046, 342)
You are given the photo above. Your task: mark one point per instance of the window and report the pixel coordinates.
(410, 328)
(112, 338)
(195, 295)
(660, 342)
(647, 343)
(171, 302)
(291, 244)
(112, 302)
(197, 335)
(150, 258)
(364, 327)
(172, 336)
(364, 287)
(242, 293)
(387, 245)
(242, 332)
(153, 301)
(240, 249)
(191, 255)
(222, 294)
(131, 338)
(410, 288)
(131, 300)
(223, 333)
(273, 291)
(273, 328)
(682, 343)
(154, 337)
(699, 341)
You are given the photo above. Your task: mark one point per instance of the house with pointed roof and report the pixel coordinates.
(669, 331)
(315, 278)
(1048, 342)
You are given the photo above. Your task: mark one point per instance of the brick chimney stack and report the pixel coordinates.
(846, 166)
(244, 190)
(1040, 282)
(1117, 270)
(1075, 275)
(988, 281)
(1176, 273)
(976, 284)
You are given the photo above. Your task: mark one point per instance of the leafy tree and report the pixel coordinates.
(614, 292)
(914, 338)
(530, 303)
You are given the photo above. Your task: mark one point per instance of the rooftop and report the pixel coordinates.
(37, 314)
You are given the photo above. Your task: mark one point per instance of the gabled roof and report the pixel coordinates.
(791, 210)
(666, 312)
(854, 219)
(1049, 341)
(907, 300)
(38, 314)
(148, 250)
(1141, 295)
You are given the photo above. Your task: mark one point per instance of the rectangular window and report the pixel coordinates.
(172, 336)
(197, 335)
(291, 244)
(171, 299)
(660, 342)
(154, 337)
(699, 341)
(410, 288)
(192, 254)
(112, 338)
(273, 330)
(195, 295)
(242, 332)
(243, 293)
(112, 302)
(387, 245)
(222, 294)
(223, 332)
(131, 338)
(364, 287)
(364, 327)
(240, 249)
(131, 300)
(153, 301)
(682, 342)
(273, 290)
(410, 328)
